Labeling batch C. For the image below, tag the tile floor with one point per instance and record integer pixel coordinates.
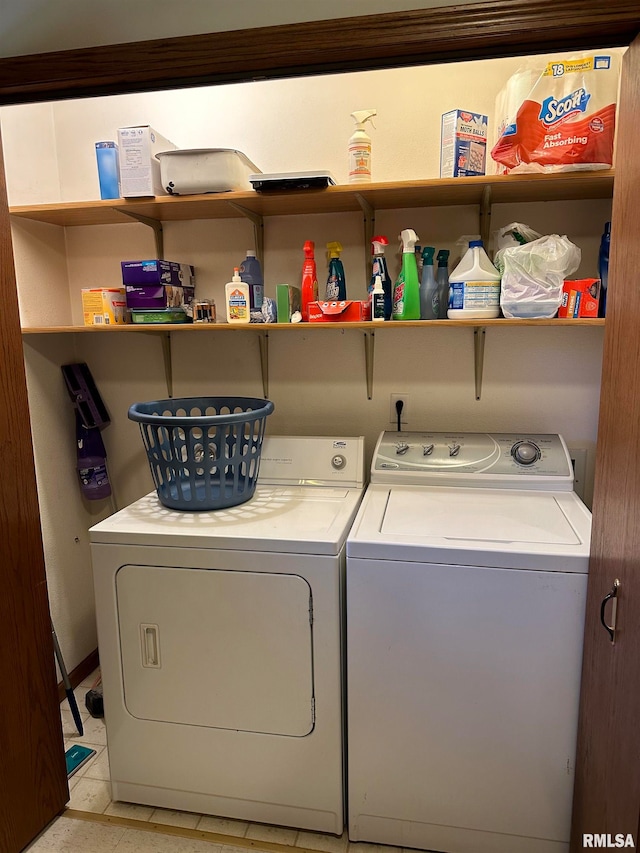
(90, 792)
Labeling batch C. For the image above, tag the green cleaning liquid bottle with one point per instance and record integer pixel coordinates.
(336, 282)
(429, 296)
(406, 295)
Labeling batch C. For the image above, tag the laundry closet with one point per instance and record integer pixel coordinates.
(323, 381)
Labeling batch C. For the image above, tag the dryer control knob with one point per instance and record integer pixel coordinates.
(525, 452)
(338, 462)
(454, 449)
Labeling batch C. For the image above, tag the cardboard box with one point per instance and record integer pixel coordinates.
(108, 169)
(155, 297)
(463, 144)
(288, 301)
(580, 298)
(139, 167)
(346, 311)
(158, 271)
(104, 306)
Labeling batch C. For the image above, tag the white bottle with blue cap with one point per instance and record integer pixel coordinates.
(474, 286)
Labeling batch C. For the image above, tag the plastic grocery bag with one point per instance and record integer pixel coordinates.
(515, 234)
(560, 117)
(533, 276)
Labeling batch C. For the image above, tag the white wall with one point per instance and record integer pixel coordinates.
(38, 26)
(535, 379)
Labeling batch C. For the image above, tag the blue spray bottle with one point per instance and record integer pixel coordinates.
(603, 268)
(379, 268)
(336, 282)
(442, 277)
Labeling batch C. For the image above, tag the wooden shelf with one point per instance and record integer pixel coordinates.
(292, 327)
(339, 199)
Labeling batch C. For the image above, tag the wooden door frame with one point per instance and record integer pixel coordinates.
(456, 33)
(460, 33)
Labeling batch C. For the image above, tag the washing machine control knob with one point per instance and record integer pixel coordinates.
(454, 449)
(427, 449)
(525, 452)
(401, 448)
(338, 462)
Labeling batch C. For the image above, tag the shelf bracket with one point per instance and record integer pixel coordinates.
(168, 362)
(478, 353)
(369, 343)
(263, 341)
(258, 228)
(485, 216)
(154, 224)
(369, 225)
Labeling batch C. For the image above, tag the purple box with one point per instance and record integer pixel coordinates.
(157, 271)
(158, 296)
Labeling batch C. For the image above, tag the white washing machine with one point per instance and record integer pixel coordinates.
(466, 585)
(221, 642)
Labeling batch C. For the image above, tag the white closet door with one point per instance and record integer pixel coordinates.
(221, 649)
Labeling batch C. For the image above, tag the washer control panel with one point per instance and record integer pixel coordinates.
(506, 460)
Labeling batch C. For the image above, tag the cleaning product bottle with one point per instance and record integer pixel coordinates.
(377, 297)
(91, 462)
(442, 277)
(251, 273)
(360, 148)
(237, 298)
(379, 267)
(336, 282)
(603, 268)
(429, 294)
(309, 286)
(406, 294)
(419, 262)
(474, 286)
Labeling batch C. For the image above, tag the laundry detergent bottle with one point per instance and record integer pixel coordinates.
(406, 293)
(309, 285)
(474, 286)
(251, 274)
(442, 277)
(379, 268)
(336, 282)
(429, 295)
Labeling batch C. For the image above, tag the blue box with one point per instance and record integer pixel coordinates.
(108, 169)
(463, 144)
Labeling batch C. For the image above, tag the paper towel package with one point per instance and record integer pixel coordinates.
(558, 118)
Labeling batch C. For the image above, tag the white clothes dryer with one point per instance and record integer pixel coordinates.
(466, 585)
(221, 642)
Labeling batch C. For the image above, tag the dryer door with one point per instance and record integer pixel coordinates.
(222, 649)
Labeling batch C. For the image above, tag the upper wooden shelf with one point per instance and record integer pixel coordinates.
(339, 199)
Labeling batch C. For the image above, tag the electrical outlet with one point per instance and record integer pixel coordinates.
(393, 413)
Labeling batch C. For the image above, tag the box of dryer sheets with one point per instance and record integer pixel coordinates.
(139, 166)
(104, 306)
(288, 301)
(580, 298)
(463, 144)
(157, 284)
(345, 311)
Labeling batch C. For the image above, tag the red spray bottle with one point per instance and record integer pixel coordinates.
(309, 286)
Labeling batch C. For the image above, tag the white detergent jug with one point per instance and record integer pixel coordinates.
(474, 286)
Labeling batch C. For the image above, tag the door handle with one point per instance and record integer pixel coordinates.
(611, 596)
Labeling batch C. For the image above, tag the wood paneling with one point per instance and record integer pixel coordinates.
(33, 779)
(607, 791)
(479, 31)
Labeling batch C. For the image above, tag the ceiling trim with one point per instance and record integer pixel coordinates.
(455, 33)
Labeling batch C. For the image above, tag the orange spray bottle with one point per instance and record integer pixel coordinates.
(309, 286)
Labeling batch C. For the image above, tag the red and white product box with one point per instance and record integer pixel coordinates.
(345, 311)
(580, 298)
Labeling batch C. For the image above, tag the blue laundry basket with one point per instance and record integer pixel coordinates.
(204, 452)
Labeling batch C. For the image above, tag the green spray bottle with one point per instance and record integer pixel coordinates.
(406, 294)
